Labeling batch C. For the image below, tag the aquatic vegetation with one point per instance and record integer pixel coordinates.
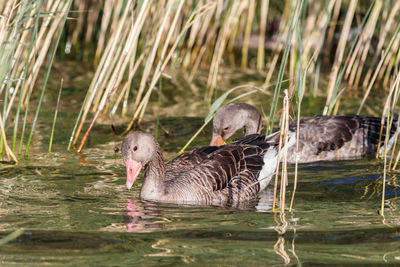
(301, 35)
(133, 45)
(167, 67)
(30, 31)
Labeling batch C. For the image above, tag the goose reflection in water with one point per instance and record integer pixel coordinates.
(136, 216)
(133, 216)
(138, 211)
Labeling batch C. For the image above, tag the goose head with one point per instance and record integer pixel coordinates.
(233, 117)
(138, 149)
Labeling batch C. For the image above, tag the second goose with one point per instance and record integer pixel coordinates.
(320, 137)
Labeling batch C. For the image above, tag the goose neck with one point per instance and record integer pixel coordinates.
(153, 186)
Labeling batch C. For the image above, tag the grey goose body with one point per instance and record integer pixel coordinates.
(320, 137)
(225, 175)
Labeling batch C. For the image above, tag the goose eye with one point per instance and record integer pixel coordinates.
(134, 148)
(226, 128)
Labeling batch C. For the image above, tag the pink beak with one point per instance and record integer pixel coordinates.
(216, 140)
(132, 171)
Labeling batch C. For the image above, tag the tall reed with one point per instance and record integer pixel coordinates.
(141, 38)
(295, 17)
(29, 32)
(55, 116)
(283, 141)
(64, 10)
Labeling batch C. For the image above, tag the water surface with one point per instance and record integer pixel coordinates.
(75, 209)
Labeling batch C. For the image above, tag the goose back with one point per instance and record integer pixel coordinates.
(222, 175)
(320, 137)
(338, 137)
(188, 160)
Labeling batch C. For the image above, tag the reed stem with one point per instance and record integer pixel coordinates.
(66, 11)
(55, 116)
(25, 73)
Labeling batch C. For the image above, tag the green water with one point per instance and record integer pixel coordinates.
(75, 209)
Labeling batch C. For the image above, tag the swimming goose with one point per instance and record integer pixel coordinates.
(233, 117)
(320, 137)
(211, 175)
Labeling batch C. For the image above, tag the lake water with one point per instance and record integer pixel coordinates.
(75, 210)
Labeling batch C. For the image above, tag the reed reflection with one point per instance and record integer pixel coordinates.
(282, 226)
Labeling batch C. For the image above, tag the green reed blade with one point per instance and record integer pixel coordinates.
(14, 235)
(339, 78)
(46, 79)
(270, 124)
(218, 102)
(33, 37)
(55, 116)
(15, 31)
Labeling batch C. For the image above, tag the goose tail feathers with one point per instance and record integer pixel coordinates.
(271, 157)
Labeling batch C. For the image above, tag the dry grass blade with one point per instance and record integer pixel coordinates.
(100, 74)
(8, 149)
(293, 22)
(12, 236)
(358, 58)
(42, 46)
(378, 68)
(340, 53)
(382, 37)
(151, 57)
(283, 141)
(237, 7)
(249, 22)
(105, 22)
(263, 29)
(388, 112)
(331, 31)
(285, 133)
(165, 59)
(313, 40)
(301, 87)
(129, 49)
(396, 89)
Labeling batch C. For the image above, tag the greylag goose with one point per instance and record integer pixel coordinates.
(211, 175)
(320, 137)
(233, 117)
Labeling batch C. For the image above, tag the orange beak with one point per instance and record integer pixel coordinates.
(217, 140)
(132, 171)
